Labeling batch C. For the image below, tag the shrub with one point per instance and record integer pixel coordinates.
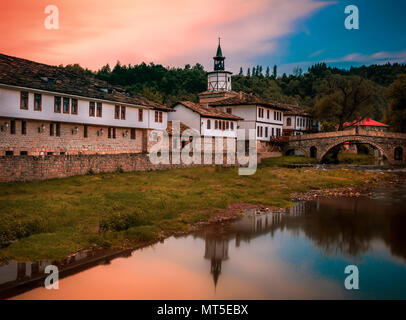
(142, 233)
(11, 230)
(120, 221)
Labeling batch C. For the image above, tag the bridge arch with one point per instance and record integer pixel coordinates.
(357, 139)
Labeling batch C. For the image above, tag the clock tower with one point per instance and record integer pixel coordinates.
(219, 79)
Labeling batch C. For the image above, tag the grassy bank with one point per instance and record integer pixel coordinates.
(50, 219)
(360, 159)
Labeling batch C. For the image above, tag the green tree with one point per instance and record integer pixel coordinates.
(241, 72)
(396, 113)
(346, 98)
(275, 71)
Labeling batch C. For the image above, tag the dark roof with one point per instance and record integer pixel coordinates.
(248, 99)
(25, 73)
(219, 52)
(207, 111)
(295, 110)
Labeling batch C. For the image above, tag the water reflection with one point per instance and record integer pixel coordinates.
(296, 253)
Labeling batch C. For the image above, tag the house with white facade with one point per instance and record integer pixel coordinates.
(266, 118)
(255, 113)
(49, 110)
(208, 121)
(297, 121)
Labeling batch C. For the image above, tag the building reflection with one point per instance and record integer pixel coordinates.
(216, 250)
(346, 227)
(14, 274)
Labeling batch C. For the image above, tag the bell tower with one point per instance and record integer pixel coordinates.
(219, 79)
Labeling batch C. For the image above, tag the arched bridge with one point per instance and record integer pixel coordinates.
(317, 145)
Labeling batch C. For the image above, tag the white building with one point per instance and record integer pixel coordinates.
(297, 121)
(48, 110)
(206, 120)
(263, 116)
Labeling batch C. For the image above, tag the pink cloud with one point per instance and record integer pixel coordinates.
(94, 32)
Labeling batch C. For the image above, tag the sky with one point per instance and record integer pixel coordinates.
(288, 33)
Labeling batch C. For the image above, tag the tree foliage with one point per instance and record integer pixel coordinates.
(333, 95)
(396, 113)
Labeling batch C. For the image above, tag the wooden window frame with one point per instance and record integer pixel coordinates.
(116, 112)
(123, 111)
(77, 106)
(114, 132)
(156, 116)
(63, 105)
(160, 115)
(60, 104)
(92, 109)
(216, 125)
(231, 125)
(21, 100)
(40, 101)
(99, 107)
(85, 131)
(208, 124)
(133, 135)
(140, 115)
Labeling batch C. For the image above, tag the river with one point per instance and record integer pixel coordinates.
(300, 253)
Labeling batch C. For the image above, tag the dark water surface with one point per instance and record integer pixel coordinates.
(297, 254)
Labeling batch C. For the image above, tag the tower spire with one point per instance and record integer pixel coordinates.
(219, 79)
(219, 51)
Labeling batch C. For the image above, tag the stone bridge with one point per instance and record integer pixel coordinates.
(317, 145)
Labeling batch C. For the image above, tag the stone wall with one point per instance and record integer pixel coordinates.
(28, 168)
(38, 140)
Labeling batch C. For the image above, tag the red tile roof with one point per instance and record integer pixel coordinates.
(365, 122)
(243, 98)
(29, 74)
(207, 111)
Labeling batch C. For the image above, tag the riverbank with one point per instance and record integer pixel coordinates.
(49, 220)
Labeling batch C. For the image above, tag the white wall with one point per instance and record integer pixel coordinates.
(185, 115)
(10, 107)
(218, 132)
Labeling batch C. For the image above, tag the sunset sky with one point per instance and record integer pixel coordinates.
(288, 33)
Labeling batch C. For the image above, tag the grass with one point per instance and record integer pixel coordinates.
(360, 159)
(47, 220)
(287, 160)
